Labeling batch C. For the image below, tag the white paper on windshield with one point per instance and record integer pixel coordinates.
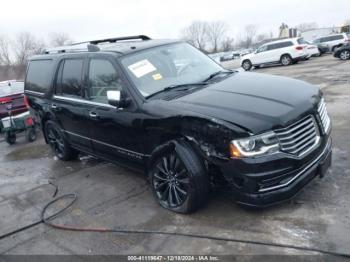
(142, 68)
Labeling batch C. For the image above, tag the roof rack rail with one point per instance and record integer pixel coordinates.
(74, 48)
(91, 46)
(117, 39)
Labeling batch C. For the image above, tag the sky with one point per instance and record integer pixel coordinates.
(86, 20)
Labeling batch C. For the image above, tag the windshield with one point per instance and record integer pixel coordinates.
(176, 64)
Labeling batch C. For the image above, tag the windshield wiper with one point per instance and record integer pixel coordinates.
(218, 73)
(180, 87)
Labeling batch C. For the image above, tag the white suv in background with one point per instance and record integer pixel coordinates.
(286, 52)
(333, 41)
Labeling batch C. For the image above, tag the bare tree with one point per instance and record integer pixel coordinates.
(262, 37)
(196, 34)
(307, 26)
(60, 39)
(26, 45)
(216, 32)
(5, 57)
(250, 34)
(227, 44)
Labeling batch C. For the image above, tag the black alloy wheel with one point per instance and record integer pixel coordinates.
(179, 179)
(171, 181)
(55, 141)
(58, 143)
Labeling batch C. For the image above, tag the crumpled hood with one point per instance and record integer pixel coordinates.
(254, 101)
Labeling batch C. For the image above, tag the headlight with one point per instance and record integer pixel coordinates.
(255, 145)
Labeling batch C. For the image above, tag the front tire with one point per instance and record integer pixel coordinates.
(344, 55)
(247, 65)
(179, 179)
(286, 60)
(58, 142)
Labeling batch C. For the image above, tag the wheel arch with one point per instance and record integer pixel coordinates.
(288, 54)
(174, 143)
(48, 116)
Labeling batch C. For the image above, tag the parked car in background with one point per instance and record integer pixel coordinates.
(311, 50)
(216, 57)
(333, 41)
(322, 48)
(286, 52)
(343, 52)
(227, 56)
(12, 95)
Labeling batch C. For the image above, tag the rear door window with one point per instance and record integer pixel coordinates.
(39, 75)
(337, 37)
(70, 78)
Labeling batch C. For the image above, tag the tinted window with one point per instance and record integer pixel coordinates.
(262, 49)
(281, 45)
(325, 39)
(71, 81)
(39, 75)
(337, 37)
(301, 41)
(331, 38)
(102, 78)
(271, 47)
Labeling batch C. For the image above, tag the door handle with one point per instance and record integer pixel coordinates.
(54, 106)
(93, 115)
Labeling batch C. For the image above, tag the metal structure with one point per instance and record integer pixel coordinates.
(92, 45)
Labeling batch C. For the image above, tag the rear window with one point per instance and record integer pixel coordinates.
(332, 38)
(39, 75)
(301, 41)
(281, 45)
(11, 88)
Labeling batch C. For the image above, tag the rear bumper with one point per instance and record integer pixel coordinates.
(300, 58)
(252, 193)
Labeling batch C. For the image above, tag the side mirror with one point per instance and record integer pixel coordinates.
(114, 99)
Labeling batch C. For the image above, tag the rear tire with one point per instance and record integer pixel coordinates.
(10, 138)
(58, 142)
(179, 179)
(31, 135)
(286, 60)
(344, 55)
(247, 65)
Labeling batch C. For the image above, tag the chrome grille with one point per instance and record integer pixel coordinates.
(325, 120)
(300, 137)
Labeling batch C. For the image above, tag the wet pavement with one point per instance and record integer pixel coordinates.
(114, 197)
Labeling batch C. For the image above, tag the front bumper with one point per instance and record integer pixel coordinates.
(277, 180)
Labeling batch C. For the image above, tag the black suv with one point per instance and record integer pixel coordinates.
(164, 107)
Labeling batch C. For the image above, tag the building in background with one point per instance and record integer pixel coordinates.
(286, 32)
